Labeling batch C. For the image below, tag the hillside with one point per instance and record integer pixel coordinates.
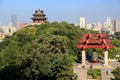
(39, 52)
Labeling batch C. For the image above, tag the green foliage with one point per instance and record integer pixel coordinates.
(44, 52)
(40, 52)
(50, 44)
(117, 34)
(116, 43)
(116, 50)
(116, 73)
(10, 72)
(5, 43)
(94, 73)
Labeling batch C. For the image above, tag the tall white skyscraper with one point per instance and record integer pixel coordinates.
(108, 20)
(108, 24)
(82, 22)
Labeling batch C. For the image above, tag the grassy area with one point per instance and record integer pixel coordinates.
(94, 74)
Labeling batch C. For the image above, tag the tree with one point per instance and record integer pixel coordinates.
(38, 52)
(49, 57)
(116, 73)
(117, 34)
(116, 49)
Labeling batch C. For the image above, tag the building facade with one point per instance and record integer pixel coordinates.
(14, 20)
(82, 22)
(108, 20)
(20, 25)
(39, 17)
(115, 25)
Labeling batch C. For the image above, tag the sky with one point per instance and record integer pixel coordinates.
(60, 10)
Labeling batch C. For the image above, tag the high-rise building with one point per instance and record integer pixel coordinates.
(105, 26)
(82, 22)
(108, 20)
(14, 20)
(108, 23)
(119, 27)
(115, 25)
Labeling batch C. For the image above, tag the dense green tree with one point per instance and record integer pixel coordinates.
(116, 73)
(38, 52)
(51, 44)
(116, 49)
(116, 43)
(10, 54)
(117, 34)
(48, 56)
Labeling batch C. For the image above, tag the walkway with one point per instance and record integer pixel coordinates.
(106, 76)
(82, 72)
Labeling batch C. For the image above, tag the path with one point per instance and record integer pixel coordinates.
(82, 73)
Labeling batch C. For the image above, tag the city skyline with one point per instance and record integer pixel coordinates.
(61, 10)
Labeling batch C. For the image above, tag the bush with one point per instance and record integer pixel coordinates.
(94, 73)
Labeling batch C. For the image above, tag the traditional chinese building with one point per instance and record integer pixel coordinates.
(39, 17)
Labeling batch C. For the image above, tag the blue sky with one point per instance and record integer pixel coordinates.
(60, 10)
